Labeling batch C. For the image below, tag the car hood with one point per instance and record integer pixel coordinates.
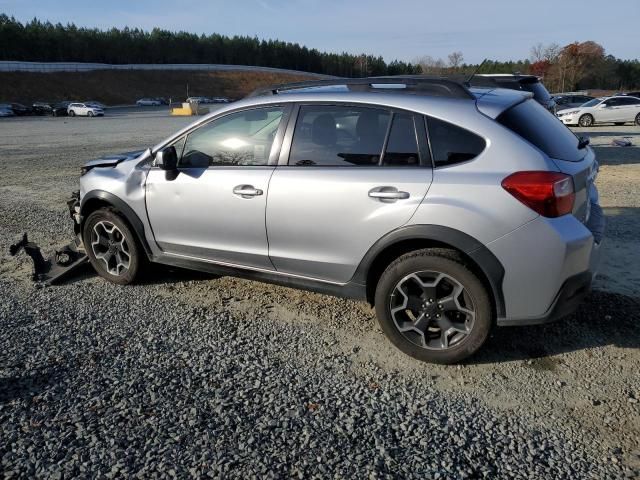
(112, 160)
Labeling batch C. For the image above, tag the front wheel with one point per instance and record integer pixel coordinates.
(72, 113)
(586, 120)
(638, 119)
(433, 307)
(90, 114)
(112, 247)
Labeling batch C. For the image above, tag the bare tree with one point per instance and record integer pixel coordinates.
(455, 59)
(537, 53)
(430, 65)
(551, 52)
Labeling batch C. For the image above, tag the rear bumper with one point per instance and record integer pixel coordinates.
(571, 295)
(549, 267)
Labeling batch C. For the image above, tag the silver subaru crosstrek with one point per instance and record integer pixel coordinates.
(448, 208)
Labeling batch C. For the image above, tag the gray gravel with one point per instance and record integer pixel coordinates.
(186, 375)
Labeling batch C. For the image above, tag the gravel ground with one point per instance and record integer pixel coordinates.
(190, 375)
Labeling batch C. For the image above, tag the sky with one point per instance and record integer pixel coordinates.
(395, 29)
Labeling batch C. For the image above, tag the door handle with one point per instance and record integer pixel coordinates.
(388, 194)
(247, 191)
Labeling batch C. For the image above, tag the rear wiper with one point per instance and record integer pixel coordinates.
(583, 142)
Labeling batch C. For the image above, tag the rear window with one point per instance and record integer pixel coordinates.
(541, 128)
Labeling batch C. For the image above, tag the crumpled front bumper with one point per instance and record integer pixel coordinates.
(63, 261)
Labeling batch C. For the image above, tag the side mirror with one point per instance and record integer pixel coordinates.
(603, 105)
(167, 158)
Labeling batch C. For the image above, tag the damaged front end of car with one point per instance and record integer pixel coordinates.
(63, 261)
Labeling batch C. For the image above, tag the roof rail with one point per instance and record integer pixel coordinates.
(434, 86)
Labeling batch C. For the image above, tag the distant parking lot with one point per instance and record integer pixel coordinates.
(196, 374)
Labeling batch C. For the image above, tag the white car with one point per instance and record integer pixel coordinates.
(197, 100)
(148, 102)
(84, 110)
(618, 110)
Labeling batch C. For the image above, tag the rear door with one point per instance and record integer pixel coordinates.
(347, 175)
(628, 108)
(608, 111)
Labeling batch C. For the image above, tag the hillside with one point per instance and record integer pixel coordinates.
(124, 87)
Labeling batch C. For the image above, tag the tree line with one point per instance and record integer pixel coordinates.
(46, 42)
(575, 66)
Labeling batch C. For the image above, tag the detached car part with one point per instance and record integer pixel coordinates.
(64, 261)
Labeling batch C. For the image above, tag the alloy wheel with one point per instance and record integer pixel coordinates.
(110, 247)
(432, 310)
(586, 121)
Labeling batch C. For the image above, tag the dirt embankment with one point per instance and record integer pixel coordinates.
(124, 87)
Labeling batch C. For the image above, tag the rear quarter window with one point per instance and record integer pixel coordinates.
(536, 125)
(451, 144)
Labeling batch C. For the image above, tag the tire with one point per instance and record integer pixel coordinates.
(638, 119)
(109, 259)
(454, 335)
(72, 113)
(586, 120)
(90, 114)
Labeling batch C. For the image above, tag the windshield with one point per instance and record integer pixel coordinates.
(536, 125)
(591, 103)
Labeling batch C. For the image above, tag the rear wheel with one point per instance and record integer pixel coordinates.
(112, 247)
(433, 307)
(72, 113)
(90, 114)
(586, 120)
(638, 119)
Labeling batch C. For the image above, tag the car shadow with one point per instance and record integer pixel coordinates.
(160, 274)
(27, 386)
(603, 319)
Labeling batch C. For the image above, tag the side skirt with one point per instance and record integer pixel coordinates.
(350, 290)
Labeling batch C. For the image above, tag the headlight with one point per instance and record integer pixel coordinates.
(572, 112)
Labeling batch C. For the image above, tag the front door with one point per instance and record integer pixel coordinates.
(213, 207)
(352, 175)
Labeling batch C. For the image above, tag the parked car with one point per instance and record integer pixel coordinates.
(60, 109)
(630, 94)
(84, 110)
(448, 209)
(197, 100)
(6, 111)
(20, 109)
(42, 108)
(93, 103)
(218, 100)
(148, 102)
(570, 101)
(527, 83)
(618, 110)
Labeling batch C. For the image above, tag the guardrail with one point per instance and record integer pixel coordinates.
(48, 67)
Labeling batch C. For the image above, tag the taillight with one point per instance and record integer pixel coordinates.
(551, 194)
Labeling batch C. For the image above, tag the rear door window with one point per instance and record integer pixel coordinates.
(402, 146)
(451, 144)
(338, 136)
(537, 126)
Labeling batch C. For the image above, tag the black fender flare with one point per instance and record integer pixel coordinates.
(486, 261)
(122, 207)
